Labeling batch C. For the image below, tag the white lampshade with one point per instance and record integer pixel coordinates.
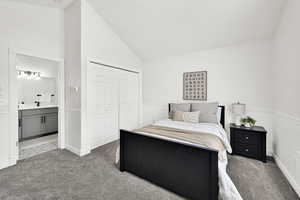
(238, 108)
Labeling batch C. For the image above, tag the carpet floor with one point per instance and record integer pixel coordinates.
(61, 175)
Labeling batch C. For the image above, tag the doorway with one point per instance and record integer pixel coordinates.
(37, 105)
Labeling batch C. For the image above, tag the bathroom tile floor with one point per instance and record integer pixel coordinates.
(30, 148)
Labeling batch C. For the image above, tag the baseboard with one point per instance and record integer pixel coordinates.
(7, 163)
(98, 143)
(77, 151)
(287, 174)
(4, 165)
(73, 149)
(84, 152)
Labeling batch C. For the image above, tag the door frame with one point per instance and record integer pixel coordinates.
(13, 102)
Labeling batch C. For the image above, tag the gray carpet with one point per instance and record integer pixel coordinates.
(61, 175)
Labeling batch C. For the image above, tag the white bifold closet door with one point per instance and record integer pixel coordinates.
(129, 100)
(112, 103)
(102, 104)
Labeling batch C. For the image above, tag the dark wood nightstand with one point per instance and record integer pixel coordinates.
(249, 142)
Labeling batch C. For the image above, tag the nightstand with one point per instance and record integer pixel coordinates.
(248, 142)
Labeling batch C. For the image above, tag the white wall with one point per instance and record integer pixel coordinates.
(87, 38)
(286, 93)
(240, 72)
(73, 76)
(4, 106)
(27, 29)
(104, 45)
(30, 29)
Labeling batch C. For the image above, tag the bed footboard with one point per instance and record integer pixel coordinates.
(187, 170)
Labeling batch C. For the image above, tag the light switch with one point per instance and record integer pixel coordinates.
(76, 88)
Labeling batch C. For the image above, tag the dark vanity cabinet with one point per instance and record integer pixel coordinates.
(37, 122)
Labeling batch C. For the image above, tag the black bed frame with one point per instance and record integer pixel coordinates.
(185, 169)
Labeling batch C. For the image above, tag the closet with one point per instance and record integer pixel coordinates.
(112, 102)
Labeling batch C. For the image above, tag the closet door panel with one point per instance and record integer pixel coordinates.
(129, 100)
(102, 104)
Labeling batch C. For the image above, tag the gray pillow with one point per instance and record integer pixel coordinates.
(208, 111)
(184, 107)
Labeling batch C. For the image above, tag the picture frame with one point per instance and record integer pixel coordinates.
(195, 85)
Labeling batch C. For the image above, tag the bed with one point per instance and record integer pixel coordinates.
(187, 169)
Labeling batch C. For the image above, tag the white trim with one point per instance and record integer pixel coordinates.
(61, 103)
(288, 176)
(73, 149)
(13, 103)
(288, 116)
(85, 147)
(77, 151)
(13, 108)
(108, 63)
(35, 54)
(5, 164)
(85, 151)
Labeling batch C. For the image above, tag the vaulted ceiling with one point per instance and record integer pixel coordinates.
(161, 28)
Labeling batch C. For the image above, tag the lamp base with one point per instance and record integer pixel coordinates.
(238, 120)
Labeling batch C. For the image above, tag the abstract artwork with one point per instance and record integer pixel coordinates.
(195, 85)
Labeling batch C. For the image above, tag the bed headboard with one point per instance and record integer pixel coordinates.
(222, 120)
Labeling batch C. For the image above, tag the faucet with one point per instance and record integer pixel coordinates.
(37, 103)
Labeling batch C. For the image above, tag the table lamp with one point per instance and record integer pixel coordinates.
(238, 110)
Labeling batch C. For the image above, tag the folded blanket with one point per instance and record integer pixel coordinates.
(204, 134)
(204, 139)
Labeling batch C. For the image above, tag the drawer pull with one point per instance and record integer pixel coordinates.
(246, 150)
(247, 138)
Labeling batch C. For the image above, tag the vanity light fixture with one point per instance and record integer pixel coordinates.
(28, 75)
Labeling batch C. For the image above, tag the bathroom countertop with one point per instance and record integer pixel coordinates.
(31, 107)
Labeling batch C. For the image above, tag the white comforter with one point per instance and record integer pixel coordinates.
(227, 189)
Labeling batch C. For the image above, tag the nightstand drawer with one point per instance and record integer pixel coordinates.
(247, 138)
(248, 142)
(247, 150)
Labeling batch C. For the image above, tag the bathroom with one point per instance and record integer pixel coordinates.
(37, 83)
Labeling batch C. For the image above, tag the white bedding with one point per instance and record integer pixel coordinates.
(227, 189)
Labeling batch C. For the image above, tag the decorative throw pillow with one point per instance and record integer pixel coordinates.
(208, 111)
(192, 117)
(184, 107)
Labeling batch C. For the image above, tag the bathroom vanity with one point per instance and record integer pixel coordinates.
(37, 121)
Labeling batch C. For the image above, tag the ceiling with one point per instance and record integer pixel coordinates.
(155, 29)
(162, 28)
(50, 3)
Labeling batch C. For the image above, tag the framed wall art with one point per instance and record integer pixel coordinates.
(195, 86)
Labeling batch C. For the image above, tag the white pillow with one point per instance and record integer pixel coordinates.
(192, 117)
